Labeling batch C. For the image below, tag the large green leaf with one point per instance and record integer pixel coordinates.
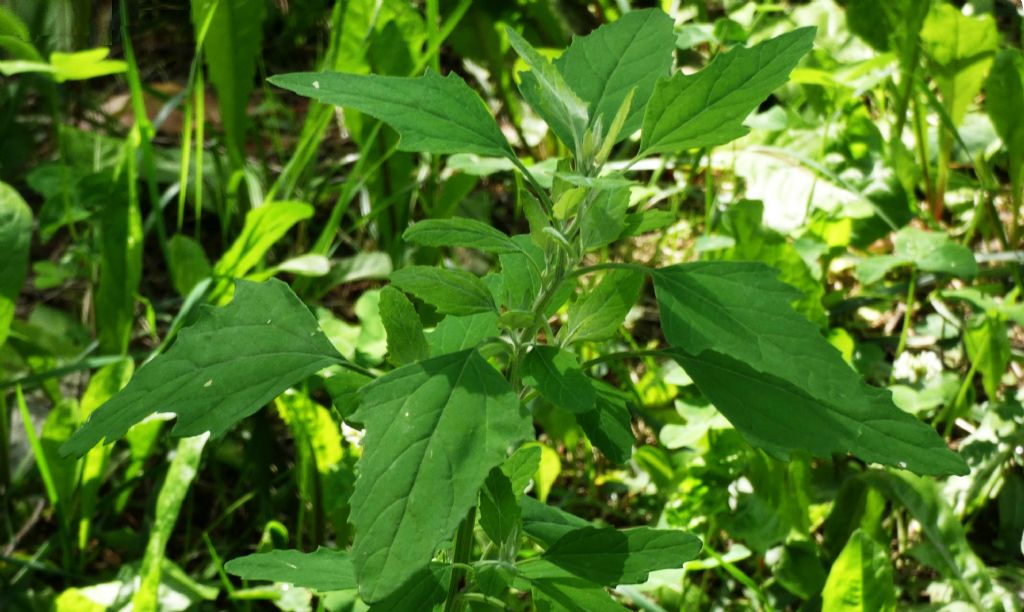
(773, 375)
(228, 365)
(861, 578)
(15, 235)
(323, 570)
(432, 114)
(454, 334)
(611, 556)
(434, 430)
(708, 108)
(462, 233)
(604, 66)
(232, 47)
(572, 595)
(454, 292)
(549, 95)
(556, 375)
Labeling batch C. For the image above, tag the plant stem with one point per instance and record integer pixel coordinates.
(907, 314)
(463, 552)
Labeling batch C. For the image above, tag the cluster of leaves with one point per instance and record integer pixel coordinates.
(773, 420)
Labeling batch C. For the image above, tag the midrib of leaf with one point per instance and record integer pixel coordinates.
(419, 466)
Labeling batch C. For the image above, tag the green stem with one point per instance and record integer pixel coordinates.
(463, 552)
(908, 314)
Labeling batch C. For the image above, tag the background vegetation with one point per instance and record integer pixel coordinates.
(146, 162)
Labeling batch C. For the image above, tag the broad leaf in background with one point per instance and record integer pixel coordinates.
(1004, 100)
(928, 251)
(434, 430)
(960, 49)
(708, 108)
(232, 47)
(556, 375)
(550, 96)
(264, 226)
(547, 524)
(860, 579)
(988, 348)
(433, 114)
(323, 570)
(604, 66)
(460, 233)
(766, 368)
(15, 236)
(610, 557)
(119, 239)
(454, 292)
(223, 368)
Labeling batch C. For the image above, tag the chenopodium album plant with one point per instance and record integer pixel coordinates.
(444, 430)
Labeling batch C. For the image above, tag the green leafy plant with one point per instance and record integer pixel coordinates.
(445, 430)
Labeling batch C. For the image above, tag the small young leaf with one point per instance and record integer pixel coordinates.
(499, 508)
(434, 430)
(861, 578)
(454, 334)
(227, 366)
(557, 376)
(988, 348)
(406, 342)
(708, 108)
(599, 313)
(15, 235)
(608, 425)
(610, 556)
(629, 54)
(454, 292)
(322, 571)
(521, 467)
(766, 367)
(605, 218)
(433, 114)
(548, 94)
(928, 251)
(460, 233)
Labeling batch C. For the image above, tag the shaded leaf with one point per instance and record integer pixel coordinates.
(499, 508)
(608, 425)
(406, 342)
(600, 312)
(556, 374)
(15, 236)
